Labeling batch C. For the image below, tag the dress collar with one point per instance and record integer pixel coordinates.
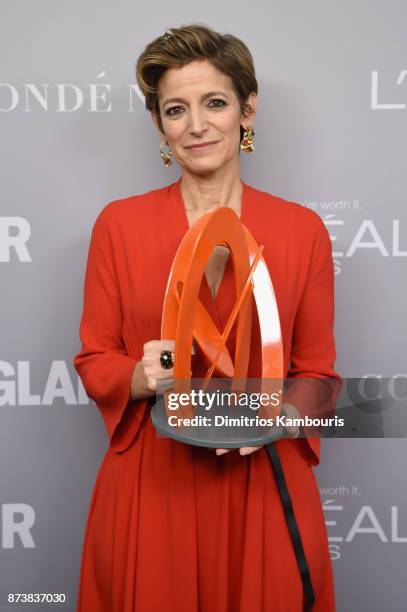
(226, 291)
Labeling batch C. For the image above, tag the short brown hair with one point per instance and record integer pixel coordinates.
(179, 46)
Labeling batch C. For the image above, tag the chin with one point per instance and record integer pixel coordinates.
(202, 171)
(205, 167)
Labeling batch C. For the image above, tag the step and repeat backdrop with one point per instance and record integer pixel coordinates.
(331, 134)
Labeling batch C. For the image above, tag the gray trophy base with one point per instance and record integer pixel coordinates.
(215, 437)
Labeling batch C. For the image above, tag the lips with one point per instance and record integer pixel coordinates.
(202, 145)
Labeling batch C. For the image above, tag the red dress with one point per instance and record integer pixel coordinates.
(173, 527)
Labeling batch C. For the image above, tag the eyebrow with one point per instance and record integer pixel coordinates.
(207, 95)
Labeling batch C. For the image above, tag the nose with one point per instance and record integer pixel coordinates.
(197, 122)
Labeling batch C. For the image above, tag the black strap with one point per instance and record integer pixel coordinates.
(293, 528)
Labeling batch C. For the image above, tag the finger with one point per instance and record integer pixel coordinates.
(165, 381)
(165, 375)
(248, 450)
(222, 451)
(167, 345)
(293, 431)
(164, 386)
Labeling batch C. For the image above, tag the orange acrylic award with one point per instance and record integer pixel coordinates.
(192, 411)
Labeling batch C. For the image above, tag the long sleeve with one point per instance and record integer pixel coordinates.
(103, 365)
(313, 345)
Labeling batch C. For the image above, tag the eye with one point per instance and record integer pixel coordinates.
(173, 110)
(216, 103)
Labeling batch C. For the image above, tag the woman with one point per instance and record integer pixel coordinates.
(171, 526)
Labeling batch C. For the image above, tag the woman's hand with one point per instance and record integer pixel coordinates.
(149, 375)
(156, 377)
(292, 432)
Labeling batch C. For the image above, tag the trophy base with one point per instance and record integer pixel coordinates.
(212, 436)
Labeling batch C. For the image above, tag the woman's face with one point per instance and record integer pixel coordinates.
(201, 117)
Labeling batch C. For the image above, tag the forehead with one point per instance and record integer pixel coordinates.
(194, 78)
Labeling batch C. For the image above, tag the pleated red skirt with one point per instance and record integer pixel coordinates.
(176, 528)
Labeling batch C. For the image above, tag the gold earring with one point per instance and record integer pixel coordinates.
(166, 155)
(247, 143)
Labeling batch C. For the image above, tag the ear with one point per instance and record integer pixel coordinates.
(155, 121)
(250, 109)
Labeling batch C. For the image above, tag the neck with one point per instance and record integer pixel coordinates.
(202, 193)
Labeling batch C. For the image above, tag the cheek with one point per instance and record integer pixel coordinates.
(231, 129)
(173, 131)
